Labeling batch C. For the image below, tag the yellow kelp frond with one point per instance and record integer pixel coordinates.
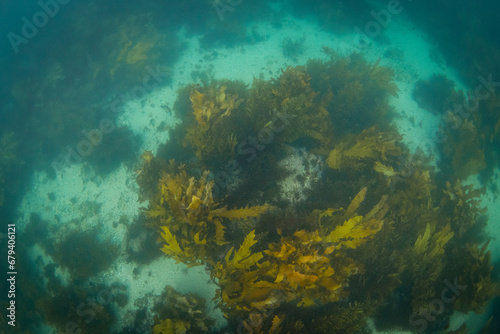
(343, 231)
(373, 144)
(192, 224)
(242, 213)
(147, 156)
(171, 247)
(347, 229)
(188, 199)
(281, 253)
(237, 275)
(149, 173)
(337, 216)
(360, 197)
(422, 241)
(169, 326)
(209, 132)
(334, 159)
(197, 104)
(192, 252)
(139, 51)
(243, 257)
(294, 278)
(440, 240)
(219, 233)
(298, 268)
(433, 246)
(364, 150)
(156, 211)
(217, 104)
(307, 237)
(379, 210)
(384, 170)
(186, 314)
(276, 326)
(427, 263)
(354, 232)
(303, 268)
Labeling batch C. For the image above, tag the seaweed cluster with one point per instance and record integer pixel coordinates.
(380, 227)
(469, 138)
(68, 92)
(181, 314)
(292, 48)
(472, 138)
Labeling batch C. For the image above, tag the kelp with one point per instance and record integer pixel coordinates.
(475, 275)
(346, 319)
(368, 149)
(470, 137)
(169, 326)
(307, 268)
(429, 248)
(290, 95)
(462, 204)
(413, 193)
(237, 279)
(192, 223)
(355, 229)
(296, 269)
(463, 147)
(382, 224)
(132, 46)
(207, 134)
(149, 172)
(258, 324)
(181, 313)
(357, 91)
(242, 213)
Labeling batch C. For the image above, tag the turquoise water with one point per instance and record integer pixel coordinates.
(249, 167)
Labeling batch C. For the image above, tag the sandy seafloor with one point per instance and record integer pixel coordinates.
(117, 193)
